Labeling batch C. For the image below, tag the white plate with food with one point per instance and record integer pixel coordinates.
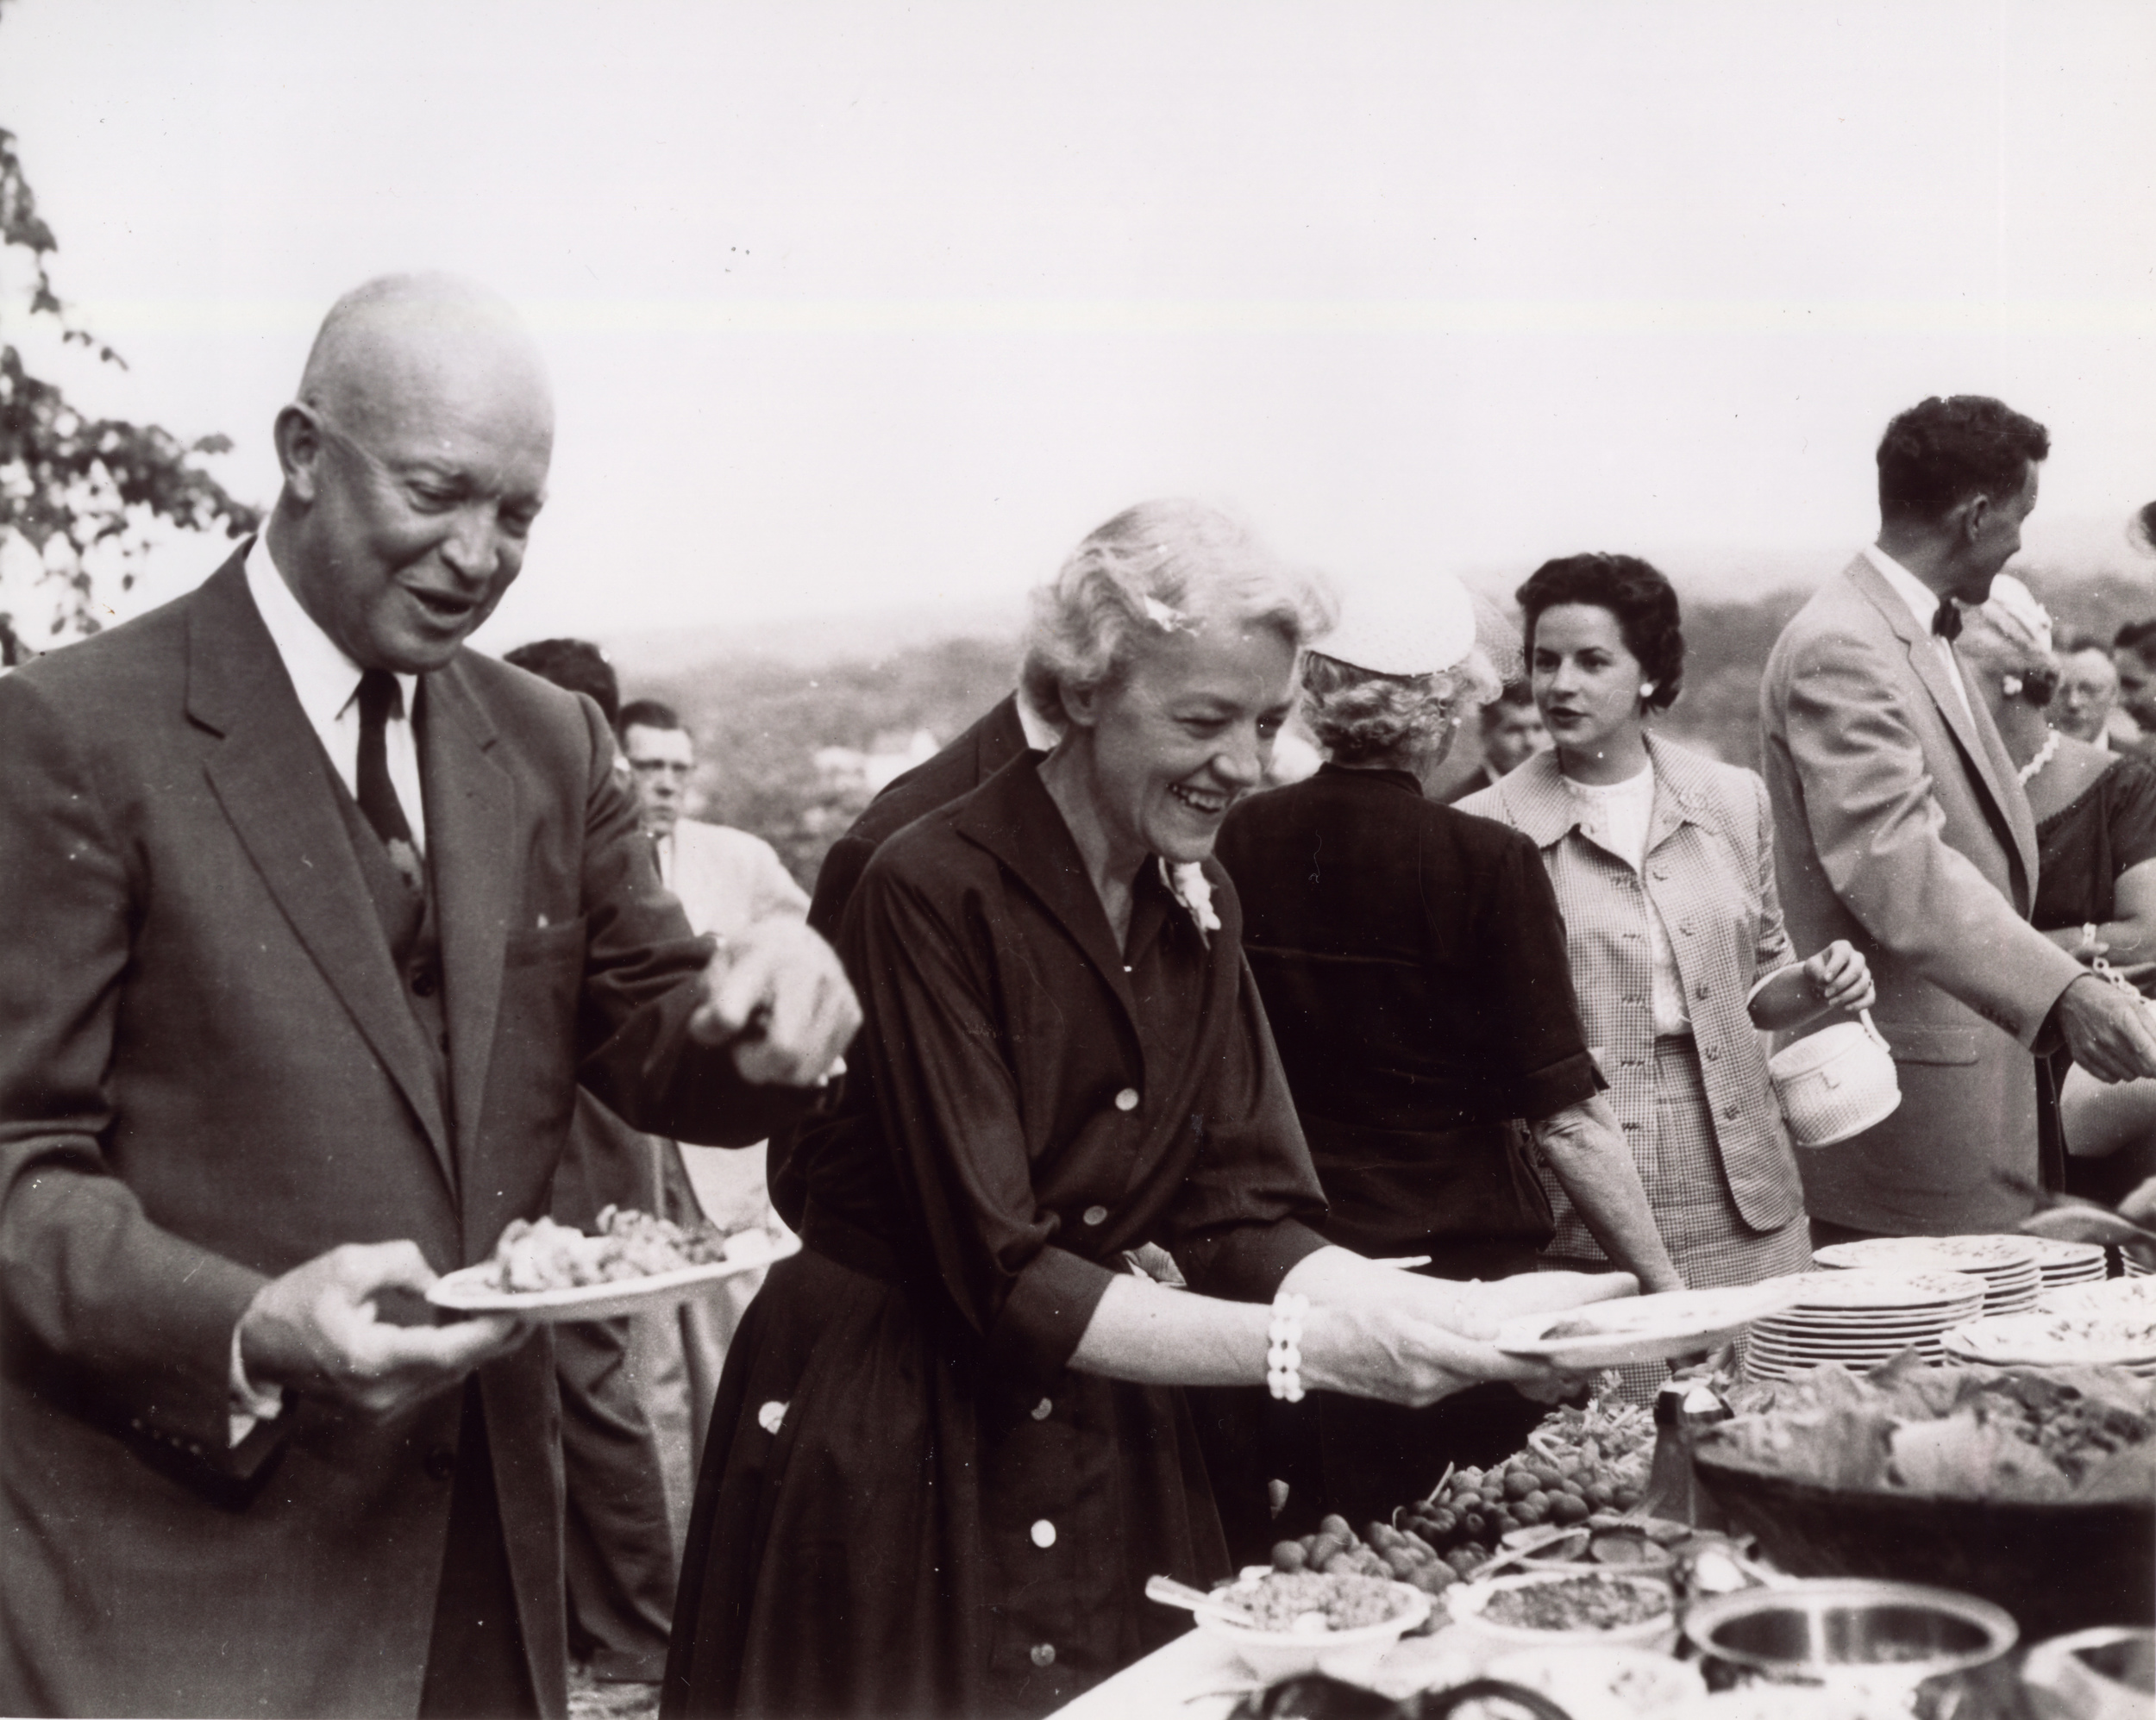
(634, 1264)
(1643, 1327)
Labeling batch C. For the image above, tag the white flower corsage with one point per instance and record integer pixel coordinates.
(1189, 885)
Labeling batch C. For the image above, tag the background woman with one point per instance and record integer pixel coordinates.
(2096, 877)
(1663, 862)
(945, 1455)
(1413, 967)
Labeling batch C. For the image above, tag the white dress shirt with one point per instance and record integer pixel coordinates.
(1923, 604)
(327, 684)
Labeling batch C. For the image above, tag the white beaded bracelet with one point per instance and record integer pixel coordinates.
(1283, 1347)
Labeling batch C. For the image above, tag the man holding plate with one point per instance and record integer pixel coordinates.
(316, 921)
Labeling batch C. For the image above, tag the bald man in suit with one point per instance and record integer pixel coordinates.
(317, 919)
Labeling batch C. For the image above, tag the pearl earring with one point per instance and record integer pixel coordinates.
(1646, 690)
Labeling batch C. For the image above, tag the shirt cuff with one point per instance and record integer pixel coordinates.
(1569, 1081)
(249, 1406)
(1047, 1312)
(1246, 1263)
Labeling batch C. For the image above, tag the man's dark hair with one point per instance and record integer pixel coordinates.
(574, 664)
(2074, 642)
(647, 713)
(2139, 637)
(1517, 694)
(1939, 452)
(1633, 590)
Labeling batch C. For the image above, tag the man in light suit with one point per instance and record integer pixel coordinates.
(1900, 825)
(315, 921)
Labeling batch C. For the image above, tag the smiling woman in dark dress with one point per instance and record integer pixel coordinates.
(947, 1451)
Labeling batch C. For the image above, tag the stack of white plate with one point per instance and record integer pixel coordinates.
(2120, 1335)
(2133, 1268)
(2006, 1264)
(2062, 1263)
(1861, 1318)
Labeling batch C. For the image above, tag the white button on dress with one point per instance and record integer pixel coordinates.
(1128, 1100)
(1043, 1535)
(1096, 1215)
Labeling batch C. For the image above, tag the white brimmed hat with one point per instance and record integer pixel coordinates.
(1421, 628)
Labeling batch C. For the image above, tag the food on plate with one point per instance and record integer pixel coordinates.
(1975, 1433)
(1583, 1603)
(545, 1256)
(1308, 1602)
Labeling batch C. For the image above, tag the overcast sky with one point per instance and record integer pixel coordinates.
(854, 305)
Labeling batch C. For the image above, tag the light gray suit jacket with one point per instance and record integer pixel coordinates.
(1899, 825)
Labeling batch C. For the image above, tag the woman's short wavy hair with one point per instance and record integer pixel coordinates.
(1360, 717)
(1153, 570)
(1637, 592)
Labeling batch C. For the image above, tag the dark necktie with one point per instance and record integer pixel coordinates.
(1946, 620)
(377, 794)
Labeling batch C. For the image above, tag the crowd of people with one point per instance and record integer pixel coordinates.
(1192, 1136)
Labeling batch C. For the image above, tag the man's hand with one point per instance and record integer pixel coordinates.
(777, 992)
(315, 1330)
(2109, 1029)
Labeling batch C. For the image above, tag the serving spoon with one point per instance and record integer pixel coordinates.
(1169, 1592)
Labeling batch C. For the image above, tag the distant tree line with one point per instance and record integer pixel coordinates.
(760, 724)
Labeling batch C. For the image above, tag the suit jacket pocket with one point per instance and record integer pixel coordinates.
(1914, 1042)
(544, 944)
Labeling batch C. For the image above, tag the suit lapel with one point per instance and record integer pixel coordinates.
(272, 780)
(1972, 729)
(471, 832)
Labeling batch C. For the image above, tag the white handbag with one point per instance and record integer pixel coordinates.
(1835, 1083)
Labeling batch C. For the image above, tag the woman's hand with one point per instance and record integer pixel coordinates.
(1387, 1352)
(1840, 978)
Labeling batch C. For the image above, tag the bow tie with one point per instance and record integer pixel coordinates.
(1946, 620)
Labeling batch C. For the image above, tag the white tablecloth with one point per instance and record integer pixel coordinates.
(1197, 1677)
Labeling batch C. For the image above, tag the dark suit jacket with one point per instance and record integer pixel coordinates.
(208, 1074)
(996, 739)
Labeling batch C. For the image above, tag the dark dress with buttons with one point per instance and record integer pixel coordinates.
(1412, 965)
(912, 1504)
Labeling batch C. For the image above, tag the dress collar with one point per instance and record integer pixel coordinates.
(1361, 775)
(1013, 816)
(1537, 803)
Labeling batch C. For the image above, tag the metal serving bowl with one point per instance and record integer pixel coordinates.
(1847, 1632)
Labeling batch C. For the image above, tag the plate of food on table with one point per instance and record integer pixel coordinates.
(634, 1262)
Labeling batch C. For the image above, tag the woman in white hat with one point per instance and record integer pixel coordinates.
(1663, 861)
(1413, 967)
(2095, 876)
